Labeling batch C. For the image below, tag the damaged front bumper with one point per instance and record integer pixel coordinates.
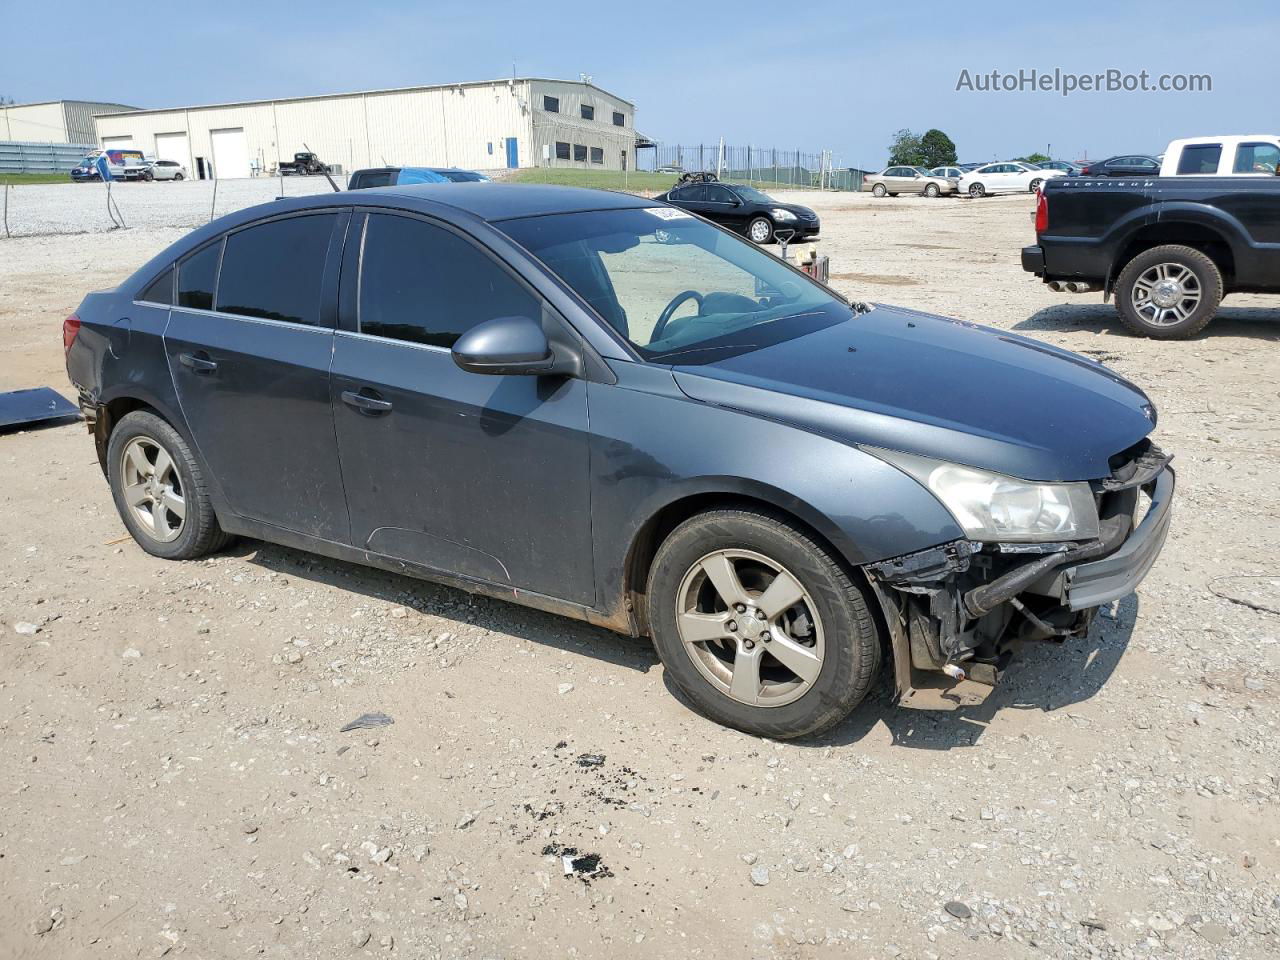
(963, 608)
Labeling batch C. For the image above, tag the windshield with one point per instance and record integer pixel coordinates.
(681, 290)
(754, 195)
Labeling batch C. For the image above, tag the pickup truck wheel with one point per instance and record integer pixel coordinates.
(880, 191)
(759, 626)
(1169, 292)
(977, 190)
(160, 490)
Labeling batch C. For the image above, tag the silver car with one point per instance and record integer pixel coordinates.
(165, 170)
(896, 180)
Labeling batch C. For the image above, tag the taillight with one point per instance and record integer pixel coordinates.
(1084, 171)
(1042, 212)
(70, 327)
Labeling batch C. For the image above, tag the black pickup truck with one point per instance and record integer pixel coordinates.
(302, 165)
(1168, 248)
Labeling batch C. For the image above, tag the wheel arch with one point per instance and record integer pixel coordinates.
(749, 495)
(1209, 238)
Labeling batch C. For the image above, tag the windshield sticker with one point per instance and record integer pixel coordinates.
(669, 213)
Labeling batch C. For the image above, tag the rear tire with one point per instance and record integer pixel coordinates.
(177, 176)
(160, 490)
(828, 634)
(880, 191)
(1169, 292)
(1035, 186)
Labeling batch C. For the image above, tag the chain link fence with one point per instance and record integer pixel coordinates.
(760, 166)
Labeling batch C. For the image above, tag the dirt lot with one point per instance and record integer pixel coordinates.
(176, 782)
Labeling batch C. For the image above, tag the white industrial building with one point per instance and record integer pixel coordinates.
(521, 122)
(55, 121)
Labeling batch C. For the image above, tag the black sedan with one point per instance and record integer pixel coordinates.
(744, 209)
(1130, 165)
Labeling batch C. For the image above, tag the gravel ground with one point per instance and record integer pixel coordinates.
(178, 782)
(54, 208)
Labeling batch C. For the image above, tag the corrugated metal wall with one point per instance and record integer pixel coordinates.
(41, 157)
(457, 126)
(78, 117)
(567, 126)
(34, 123)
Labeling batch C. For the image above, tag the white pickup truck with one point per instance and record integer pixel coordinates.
(1256, 155)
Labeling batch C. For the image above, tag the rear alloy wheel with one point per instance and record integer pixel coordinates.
(931, 191)
(1169, 292)
(880, 191)
(760, 230)
(1035, 186)
(977, 190)
(758, 626)
(159, 489)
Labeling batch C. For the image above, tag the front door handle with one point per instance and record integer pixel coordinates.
(200, 362)
(366, 402)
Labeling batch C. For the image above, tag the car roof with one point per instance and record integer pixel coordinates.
(506, 201)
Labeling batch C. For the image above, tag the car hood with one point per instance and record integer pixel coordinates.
(941, 388)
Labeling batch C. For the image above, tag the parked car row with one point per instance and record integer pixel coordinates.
(128, 165)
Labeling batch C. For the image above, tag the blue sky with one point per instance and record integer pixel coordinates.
(810, 76)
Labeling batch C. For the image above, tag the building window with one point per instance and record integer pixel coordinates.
(588, 112)
(579, 153)
(597, 154)
(619, 120)
(551, 104)
(562, 150)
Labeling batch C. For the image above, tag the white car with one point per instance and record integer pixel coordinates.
(1010, 177)
(165, 170)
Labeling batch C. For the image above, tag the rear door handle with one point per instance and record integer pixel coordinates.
(200, 362)
(365, 401)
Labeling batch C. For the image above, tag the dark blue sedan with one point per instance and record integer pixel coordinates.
(603, 406)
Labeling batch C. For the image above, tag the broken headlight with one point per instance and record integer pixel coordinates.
(993, 507)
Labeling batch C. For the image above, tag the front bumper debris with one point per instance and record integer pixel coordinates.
(964, 608)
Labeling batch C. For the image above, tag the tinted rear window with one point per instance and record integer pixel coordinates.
(159, 290)
(197, 277)
(274, 270)
(373, 178)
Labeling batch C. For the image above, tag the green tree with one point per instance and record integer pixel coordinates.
(1036, 158)
(906, 149)
(937, 149)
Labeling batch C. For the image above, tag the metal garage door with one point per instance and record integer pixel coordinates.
(230, 153)
(173, 146)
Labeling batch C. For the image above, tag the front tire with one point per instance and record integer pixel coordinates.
(931, 191)
(160, 490)
(1169, 292)
(1035, 186)
(759, 626)
(760, 230)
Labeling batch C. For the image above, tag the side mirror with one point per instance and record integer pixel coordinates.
(505, 345)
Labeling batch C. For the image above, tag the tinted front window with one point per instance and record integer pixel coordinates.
(722, 295)
(274, 270)
(159, 290)
(197, 277)
(719, 194)
(421, 283)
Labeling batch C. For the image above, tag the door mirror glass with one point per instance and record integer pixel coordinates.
(505, 345)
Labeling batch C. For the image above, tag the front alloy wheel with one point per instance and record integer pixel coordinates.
(759, 627)
(977, 190)
(760, 230)
(751, 629)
